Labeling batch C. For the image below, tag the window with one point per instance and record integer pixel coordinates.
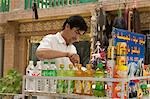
(4, 5)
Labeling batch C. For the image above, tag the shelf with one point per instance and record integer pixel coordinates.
(69, 95)
(63, 95)
(9, 94)
(90, 78)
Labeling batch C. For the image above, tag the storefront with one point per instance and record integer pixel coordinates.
(21, 33)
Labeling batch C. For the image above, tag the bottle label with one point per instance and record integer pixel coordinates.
(87, 87)
(78, 86)
(71, 86)
(66, 86)
(39, 85)
(60, 86)
(53, 84)
(47, 85)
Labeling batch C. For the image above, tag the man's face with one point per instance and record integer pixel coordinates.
(74, 34)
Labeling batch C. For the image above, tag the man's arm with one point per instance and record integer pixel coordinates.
(50, 54)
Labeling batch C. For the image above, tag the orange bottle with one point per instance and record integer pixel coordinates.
(78, 89)
(88, 84)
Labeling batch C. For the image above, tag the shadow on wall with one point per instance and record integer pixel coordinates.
(83, 49)
(32, 56)
(1, 56)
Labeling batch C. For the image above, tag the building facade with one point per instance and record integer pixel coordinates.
(19, 30)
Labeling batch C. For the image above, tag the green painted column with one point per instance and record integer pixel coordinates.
(38, 2)
(59, 2)
(62, 3)
(50, 3)
(46, 3)
(30, 4)
(3, 5)
(7, 5)
(42, 3)
(26, 4)
(54, 2)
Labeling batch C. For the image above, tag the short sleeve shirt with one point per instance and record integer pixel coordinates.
(57, 42)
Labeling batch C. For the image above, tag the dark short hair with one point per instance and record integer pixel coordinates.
(76, 21)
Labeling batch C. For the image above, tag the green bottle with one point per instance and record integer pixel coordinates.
(44, 69)
(144, 89)
(99, 89)
(70, 73)
(60, 83)
(100, 71)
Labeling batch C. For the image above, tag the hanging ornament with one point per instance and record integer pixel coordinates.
(119, 21)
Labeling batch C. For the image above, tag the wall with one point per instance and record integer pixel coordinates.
(1, 55)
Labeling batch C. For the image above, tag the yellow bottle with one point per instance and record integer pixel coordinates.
(122, 71)
(78, 89)
(88, 84)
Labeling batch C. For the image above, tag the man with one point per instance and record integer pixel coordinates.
(59, 47)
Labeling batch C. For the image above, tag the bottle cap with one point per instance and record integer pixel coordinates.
(131, 83)
(45, 62)
(122, 68)
(79, 65)
(70, 66)
(39, 62)
(143, 86)
(61, 65)
(30, 62)
(88, 66)
(100, 65)
(52, 62)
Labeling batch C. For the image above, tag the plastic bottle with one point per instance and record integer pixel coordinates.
(78, 83)
(53, 72)
(29, 81)
(132, 90)
(99, 87)
(45, 68)
(122, 71)
(53, 67)
(70, 73)
(38, 68)
(39, 82)
(60, 83)
(119, 72)
(88, 84)
(29, 68)
(100, 71)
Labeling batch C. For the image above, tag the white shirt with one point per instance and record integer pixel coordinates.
(57, 42)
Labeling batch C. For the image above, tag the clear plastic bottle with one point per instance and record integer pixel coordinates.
(39, 82)
(38, 69)
(30, 68)
(53, 72)
(45, 67)
(46, 72)
(29, 81)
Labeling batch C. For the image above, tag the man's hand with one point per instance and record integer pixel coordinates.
(74, 58)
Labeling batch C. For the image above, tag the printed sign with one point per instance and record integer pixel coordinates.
(135, 47)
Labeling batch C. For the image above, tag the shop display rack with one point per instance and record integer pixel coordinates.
(70, 95)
